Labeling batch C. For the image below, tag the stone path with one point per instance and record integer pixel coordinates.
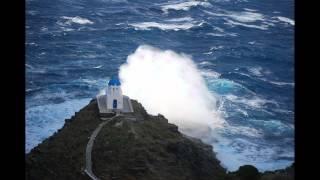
(88, 169)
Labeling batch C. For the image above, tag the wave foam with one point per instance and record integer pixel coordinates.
(98, 67)
(66, 29)
(77, 20)
(221, 34)
(210, 74)
(286, 20)
(255, 102)
(184, 5)
(240, 16)
(29, 66)
(251, 10)
(163, 81)
(246, 16)
(261, 27)
(204, 63)
(281, 83)
(274, 127)
(236, 130)
(257, 71)
(162, 26)
(180, 19)
(43, 121)
(238, 152)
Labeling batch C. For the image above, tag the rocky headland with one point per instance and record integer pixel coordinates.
(133, 146)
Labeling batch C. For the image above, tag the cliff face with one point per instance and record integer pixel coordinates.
(133, 146)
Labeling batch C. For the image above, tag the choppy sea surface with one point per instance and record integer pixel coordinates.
(243, 48)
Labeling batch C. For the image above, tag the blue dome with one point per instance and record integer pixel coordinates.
(114, 82)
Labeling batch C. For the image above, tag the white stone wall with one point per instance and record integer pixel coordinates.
(102, 103)
(114, 92)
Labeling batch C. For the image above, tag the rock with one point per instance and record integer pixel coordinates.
(173, 128)
(283, 174)
(248, 172)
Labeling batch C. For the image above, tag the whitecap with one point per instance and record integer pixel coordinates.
(243, 130)
(257, 71)
(274, 127)
(251, 10)
(246, 16)
(89, 81)
(98, 83)
(282, 83)
(254, 102)
(97, 67)
(77, 20)
(285, 111)
(205, 63)
(269, 23)
(225, 86)
(40, 71)
(180, 19)
(245, 113)
(286, 20)
(114, 1)
(216, 47)
(32, 43)
(29, 66)
(240, 16)
(185, 6)
(90, 56)
(279, 83)
(66, 29)
(216, 34)
(118, 24)
(213, 48)
(44, 29)
(162, 26)
(32, 12)
(208, 53)
(232, 23)
(218, 29)
(210, 74)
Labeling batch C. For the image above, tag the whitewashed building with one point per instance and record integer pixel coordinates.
(112, 100)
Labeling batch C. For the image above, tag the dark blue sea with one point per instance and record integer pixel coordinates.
(244, 50)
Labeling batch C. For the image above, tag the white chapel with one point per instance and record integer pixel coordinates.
(111, 100)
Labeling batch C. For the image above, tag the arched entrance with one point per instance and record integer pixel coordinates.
(114, 104)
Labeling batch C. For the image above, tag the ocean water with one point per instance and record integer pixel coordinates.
(244, 49)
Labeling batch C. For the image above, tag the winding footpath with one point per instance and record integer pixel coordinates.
(88, 169)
